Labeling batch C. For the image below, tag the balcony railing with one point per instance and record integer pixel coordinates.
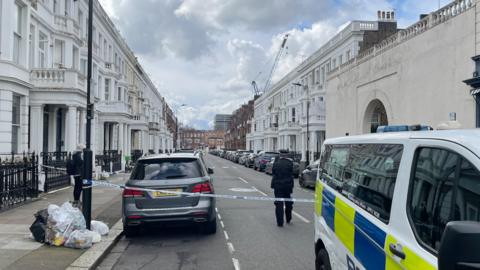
(57, 77)
(67, 25)
(153, 126)
(113, 107)
(139, 117)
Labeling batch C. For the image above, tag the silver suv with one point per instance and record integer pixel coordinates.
(182, 172)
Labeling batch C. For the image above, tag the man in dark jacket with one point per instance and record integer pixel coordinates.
(77, 172)
(282, 184)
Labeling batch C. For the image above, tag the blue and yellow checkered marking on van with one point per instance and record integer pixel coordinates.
(365, 240)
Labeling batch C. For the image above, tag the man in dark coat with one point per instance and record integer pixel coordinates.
(282, 184)
(76, 170)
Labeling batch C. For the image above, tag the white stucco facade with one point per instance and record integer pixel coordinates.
(280, 117)
(416, 76)
(43, 66)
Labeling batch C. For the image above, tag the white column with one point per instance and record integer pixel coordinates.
(121, 142)
(82, 125)
(129, 140)
(71, 129)
(36, 128)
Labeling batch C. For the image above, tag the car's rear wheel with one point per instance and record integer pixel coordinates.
(130, 231)
(322, 262)
(210, 227)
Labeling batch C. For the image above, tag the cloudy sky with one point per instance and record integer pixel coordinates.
(205, 53)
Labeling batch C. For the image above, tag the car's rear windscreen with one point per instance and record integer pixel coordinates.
(167, 169)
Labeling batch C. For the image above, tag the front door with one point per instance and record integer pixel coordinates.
(45, 129)
(59, 140)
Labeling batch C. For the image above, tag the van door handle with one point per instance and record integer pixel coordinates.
(397, 251)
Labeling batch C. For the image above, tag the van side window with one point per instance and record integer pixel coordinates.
(371, 175)
(467, 195)
(333, 163)
(445, 187)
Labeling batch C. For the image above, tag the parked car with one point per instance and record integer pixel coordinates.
(250, 160)
(182, 172)
(262, 159)
(243, 158)
(296, 167)
(269, 166)
(308, 177)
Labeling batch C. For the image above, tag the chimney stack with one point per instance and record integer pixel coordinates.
(386, 15)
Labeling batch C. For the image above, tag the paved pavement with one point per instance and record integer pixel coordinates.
(19, 251)
(247, 236)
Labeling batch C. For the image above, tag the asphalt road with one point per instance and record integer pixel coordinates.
(247, 235)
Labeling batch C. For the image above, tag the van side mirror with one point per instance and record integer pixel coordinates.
(460, 246)
(209, 170)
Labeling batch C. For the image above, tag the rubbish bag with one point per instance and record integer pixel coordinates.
(79, 239)
(100, 227)
(62, 221)
(39, 226)
(96, 237)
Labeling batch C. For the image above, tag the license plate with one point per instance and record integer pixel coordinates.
(157, 194)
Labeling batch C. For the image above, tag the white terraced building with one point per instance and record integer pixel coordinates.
(280, 115)
(43, 56)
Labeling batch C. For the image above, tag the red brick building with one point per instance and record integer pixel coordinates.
(236, 135)
(191, 138)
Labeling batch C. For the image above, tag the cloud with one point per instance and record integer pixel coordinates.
(152, 28)
(205, 53)
(254, 15)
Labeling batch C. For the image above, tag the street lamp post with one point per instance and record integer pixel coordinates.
(87, 152)
(305, 87)
(176, 108)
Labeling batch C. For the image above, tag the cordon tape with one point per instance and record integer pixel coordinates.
(92, 183)
(190, 194)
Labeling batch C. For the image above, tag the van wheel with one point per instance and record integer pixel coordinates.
(210, 227)
(322, 262)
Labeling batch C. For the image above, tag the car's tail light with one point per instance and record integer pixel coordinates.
(202, 188)
(129, 193)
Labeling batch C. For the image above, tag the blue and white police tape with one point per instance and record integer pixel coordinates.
(55, 168)
(191, 194)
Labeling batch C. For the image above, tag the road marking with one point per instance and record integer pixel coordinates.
(226, 235)
(259, 191)
(245, 181)
(224, 167)
(234, 167)
(236, 264)
(216, 209)
(219, 217)
(301, 217)
(221, 223)
(230, 247)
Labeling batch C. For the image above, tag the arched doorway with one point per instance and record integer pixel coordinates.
(375, 116)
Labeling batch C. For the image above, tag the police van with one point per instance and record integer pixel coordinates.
(384, 201)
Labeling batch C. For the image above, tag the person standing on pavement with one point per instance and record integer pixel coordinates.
(75, 169)
(282, 185)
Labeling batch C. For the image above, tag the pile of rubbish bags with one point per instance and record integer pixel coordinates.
(65, 226)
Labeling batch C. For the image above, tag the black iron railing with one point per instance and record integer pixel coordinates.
(55, 170)
(18, 179)
(109, 157)
(136, 154)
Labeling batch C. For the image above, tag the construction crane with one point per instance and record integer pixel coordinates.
(274, 67)
(256, 92)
